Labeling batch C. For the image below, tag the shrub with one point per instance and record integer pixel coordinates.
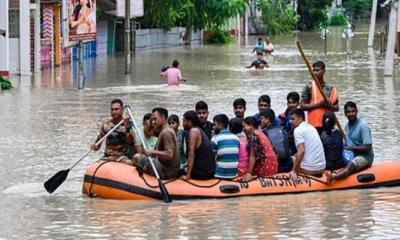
(338, 19)
(219, 36)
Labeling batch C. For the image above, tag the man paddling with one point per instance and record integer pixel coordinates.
(121, 143)
(359, 141)
(312, 99)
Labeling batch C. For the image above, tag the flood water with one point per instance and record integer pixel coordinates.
(46, 124)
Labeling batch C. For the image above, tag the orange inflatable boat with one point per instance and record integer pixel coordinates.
(114, 180)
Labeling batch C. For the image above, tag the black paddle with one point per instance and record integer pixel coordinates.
(55, 181)
(164, 192)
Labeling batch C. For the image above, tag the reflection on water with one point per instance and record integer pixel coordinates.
(46, 124)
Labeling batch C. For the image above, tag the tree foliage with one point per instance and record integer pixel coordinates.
(355, 8)
(312, 13)
(338, 19)
(194, 14)
(278, 16)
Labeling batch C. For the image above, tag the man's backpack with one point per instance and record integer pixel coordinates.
(278, 137)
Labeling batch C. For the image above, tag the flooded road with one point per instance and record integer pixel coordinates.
(46, 124)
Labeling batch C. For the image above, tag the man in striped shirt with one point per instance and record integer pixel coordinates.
(226, 148)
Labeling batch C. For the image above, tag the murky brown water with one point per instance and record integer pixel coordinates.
(46, 124)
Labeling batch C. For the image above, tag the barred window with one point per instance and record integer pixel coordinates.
(13, 24)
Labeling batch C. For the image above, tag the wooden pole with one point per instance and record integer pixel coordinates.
(372, 24)
(57, 34)
(389, 57)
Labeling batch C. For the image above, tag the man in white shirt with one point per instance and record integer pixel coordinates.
(310, 157)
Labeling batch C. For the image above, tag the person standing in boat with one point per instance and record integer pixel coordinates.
(310, 157)
(359, 141)
(166, 152)
(173, 74)
(259, 63)
(239, 107)
(123, 141)
(201, 159)
(202, 113)
(262, 158)
(226, 148)
(312, 99)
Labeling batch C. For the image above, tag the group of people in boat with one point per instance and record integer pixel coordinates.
(245, 146)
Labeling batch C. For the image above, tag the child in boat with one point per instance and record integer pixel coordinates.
(236, 127)
(173, 122)
(173, 74)
(226, 148)
(262, 158)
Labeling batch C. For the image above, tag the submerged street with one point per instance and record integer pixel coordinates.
(47, 124)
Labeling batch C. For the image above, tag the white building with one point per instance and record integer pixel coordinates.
(20, 48)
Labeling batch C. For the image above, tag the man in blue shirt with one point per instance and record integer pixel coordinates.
(264, 103)
(359, 141)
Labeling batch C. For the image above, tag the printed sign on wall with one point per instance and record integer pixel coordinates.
(82, 20)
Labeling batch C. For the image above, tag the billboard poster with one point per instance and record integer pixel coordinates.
(82, 20)
(136, 8)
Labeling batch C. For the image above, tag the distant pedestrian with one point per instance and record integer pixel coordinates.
(172, 74)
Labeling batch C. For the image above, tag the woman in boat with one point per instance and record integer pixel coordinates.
(262, 158)
(236, 127)
(331, 139)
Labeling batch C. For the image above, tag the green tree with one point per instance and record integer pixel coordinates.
(312, 13)
(355, 8)
(278, 16)
(194, 14)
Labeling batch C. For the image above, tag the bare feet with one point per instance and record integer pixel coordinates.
(329, 178)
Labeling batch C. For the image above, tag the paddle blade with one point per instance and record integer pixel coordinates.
(164, 193)
(55, 181)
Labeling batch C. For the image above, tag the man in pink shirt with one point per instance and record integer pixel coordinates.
(173, 74)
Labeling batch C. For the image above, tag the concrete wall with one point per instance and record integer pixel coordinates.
(101, 37)
(158, 38)
(14, 55)
(4, 43)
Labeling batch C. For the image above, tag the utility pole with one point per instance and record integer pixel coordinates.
(127, 36)
(372, 24)
(389, 56)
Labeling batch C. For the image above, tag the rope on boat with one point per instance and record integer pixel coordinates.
(94, 175)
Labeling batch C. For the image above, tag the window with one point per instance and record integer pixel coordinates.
(13, 23)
